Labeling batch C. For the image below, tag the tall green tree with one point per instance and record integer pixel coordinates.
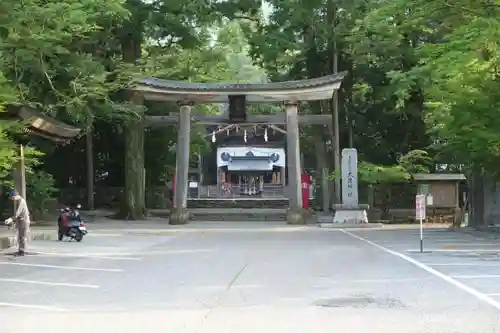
(172, 25)
(304, 40)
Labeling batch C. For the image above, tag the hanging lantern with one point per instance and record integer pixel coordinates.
(245, 136)
(265, 135)
(213, 136)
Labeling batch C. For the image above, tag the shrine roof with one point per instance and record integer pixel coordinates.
(301, 90)
(41, 125)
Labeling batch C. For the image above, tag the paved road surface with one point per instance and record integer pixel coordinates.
(260, 278)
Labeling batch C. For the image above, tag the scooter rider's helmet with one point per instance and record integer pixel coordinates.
(67, 209)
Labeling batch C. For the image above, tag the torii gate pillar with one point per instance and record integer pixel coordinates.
(180, 214)
(295, 214)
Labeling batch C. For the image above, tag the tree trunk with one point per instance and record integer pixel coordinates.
(476, 198)
(89, 152)
(322, 196)
(134, 205)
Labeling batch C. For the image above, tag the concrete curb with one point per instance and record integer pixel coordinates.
(8, 241)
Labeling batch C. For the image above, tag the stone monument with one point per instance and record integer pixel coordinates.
(350, 211)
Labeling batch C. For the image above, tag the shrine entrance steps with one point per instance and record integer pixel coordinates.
(238, 214)
(238, 203)
(240, 209)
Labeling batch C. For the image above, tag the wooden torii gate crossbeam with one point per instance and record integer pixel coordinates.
(276, 119)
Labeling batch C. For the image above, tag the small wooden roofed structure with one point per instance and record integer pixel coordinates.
(444, 187)
(36, 123)
(39, 124)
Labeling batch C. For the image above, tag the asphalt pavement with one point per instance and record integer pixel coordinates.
(254, 278)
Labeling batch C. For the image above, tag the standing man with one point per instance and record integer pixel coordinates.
(22, 220)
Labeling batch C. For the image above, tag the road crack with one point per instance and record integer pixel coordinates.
(221, 294)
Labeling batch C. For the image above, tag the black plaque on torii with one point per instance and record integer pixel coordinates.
(237, 108)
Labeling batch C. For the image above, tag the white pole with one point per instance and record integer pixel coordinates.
(421, 234)
(420, 205)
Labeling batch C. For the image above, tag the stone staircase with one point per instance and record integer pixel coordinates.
(238, 203)
(239, 210)
(238, 214)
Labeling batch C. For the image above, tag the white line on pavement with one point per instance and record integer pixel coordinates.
(484, 276)
(464, 264)
(55, 284)
(468, 244)
(104, 235)
(62, 267)
(455, 250)
(380, 280)
(430, 239)
(443, 244)
(84, 255)
(149, 252)
(449, 279)
(447, 237)
(32, 306)
(436, 233)
(439, 242)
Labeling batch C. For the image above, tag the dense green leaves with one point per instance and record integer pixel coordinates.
(423, 74)
(454, 62)
(50, 53)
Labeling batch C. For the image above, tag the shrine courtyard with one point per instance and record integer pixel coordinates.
(258, 277)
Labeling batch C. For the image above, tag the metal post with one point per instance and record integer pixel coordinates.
(420, 210)
(293, 152)
(19, 176)
(22, 172)
(421, 235)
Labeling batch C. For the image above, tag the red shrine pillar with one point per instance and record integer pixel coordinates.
(306, 181)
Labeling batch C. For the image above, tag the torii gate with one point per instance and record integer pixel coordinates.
(187, 94)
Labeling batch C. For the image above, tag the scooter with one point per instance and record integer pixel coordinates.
(70, 225)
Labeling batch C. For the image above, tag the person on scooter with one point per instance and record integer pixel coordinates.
(63, 220)
(22, 221)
